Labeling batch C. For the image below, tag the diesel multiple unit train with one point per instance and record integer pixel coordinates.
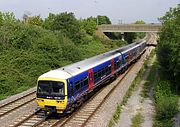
(63, 89)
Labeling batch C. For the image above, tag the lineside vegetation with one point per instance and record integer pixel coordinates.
(33, 46)
(168, 87)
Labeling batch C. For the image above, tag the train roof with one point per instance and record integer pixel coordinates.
(81, 66)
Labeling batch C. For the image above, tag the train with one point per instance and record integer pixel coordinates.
(63, 90)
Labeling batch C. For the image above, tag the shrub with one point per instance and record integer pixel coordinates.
(166, 107)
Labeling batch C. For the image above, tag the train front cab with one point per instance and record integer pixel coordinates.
(52, 94)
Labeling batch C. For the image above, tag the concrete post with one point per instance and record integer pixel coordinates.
(122, 36)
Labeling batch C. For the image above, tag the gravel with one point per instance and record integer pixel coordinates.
(12, 117)
(14, 97)
(135, 105)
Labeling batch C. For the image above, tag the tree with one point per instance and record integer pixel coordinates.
(140, 34)
(67, 23)
(35, 20)
(1, 18)
(140, 22)
(168, 50)
(48, 22)
(103, 20)
(129, 37)
(89, 25)
(9, 17)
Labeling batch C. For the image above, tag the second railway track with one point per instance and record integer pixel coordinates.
(16, 103)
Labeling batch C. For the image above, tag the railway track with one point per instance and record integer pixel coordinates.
(32, 120)
(11, 106)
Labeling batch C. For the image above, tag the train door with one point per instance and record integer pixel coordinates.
(112, 66)
(91, 79)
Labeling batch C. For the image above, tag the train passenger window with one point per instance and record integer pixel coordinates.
(85, 81)
(103, 71)
(99, 73)
(117, 65)
(126, 59)
(77, 85)
(95, 75)
(82, 83)
(106, 69)
(109, 69)
(120, 62)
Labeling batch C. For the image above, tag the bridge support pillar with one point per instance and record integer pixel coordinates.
(122, 36)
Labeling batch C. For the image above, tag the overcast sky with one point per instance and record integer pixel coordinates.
(126, 10)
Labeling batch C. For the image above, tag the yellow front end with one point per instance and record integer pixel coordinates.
(60, 105)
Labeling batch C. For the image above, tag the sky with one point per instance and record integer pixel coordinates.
(119, 11)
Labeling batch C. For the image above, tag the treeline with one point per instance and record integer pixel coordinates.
(168, 53)
(168, 50)
(33, 46)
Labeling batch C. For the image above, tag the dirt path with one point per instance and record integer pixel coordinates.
(136, 104)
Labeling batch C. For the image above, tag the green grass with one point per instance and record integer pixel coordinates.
(149, 82)
(137, 120)
(150, 79)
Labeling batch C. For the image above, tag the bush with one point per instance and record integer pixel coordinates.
(166, 107)
(166, 103)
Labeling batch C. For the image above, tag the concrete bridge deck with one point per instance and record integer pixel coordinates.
(130, 28)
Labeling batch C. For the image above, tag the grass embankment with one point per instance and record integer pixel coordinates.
(27, 51)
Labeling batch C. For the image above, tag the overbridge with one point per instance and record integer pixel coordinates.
(130, 28)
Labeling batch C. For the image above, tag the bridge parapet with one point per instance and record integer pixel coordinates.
(130, 28)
